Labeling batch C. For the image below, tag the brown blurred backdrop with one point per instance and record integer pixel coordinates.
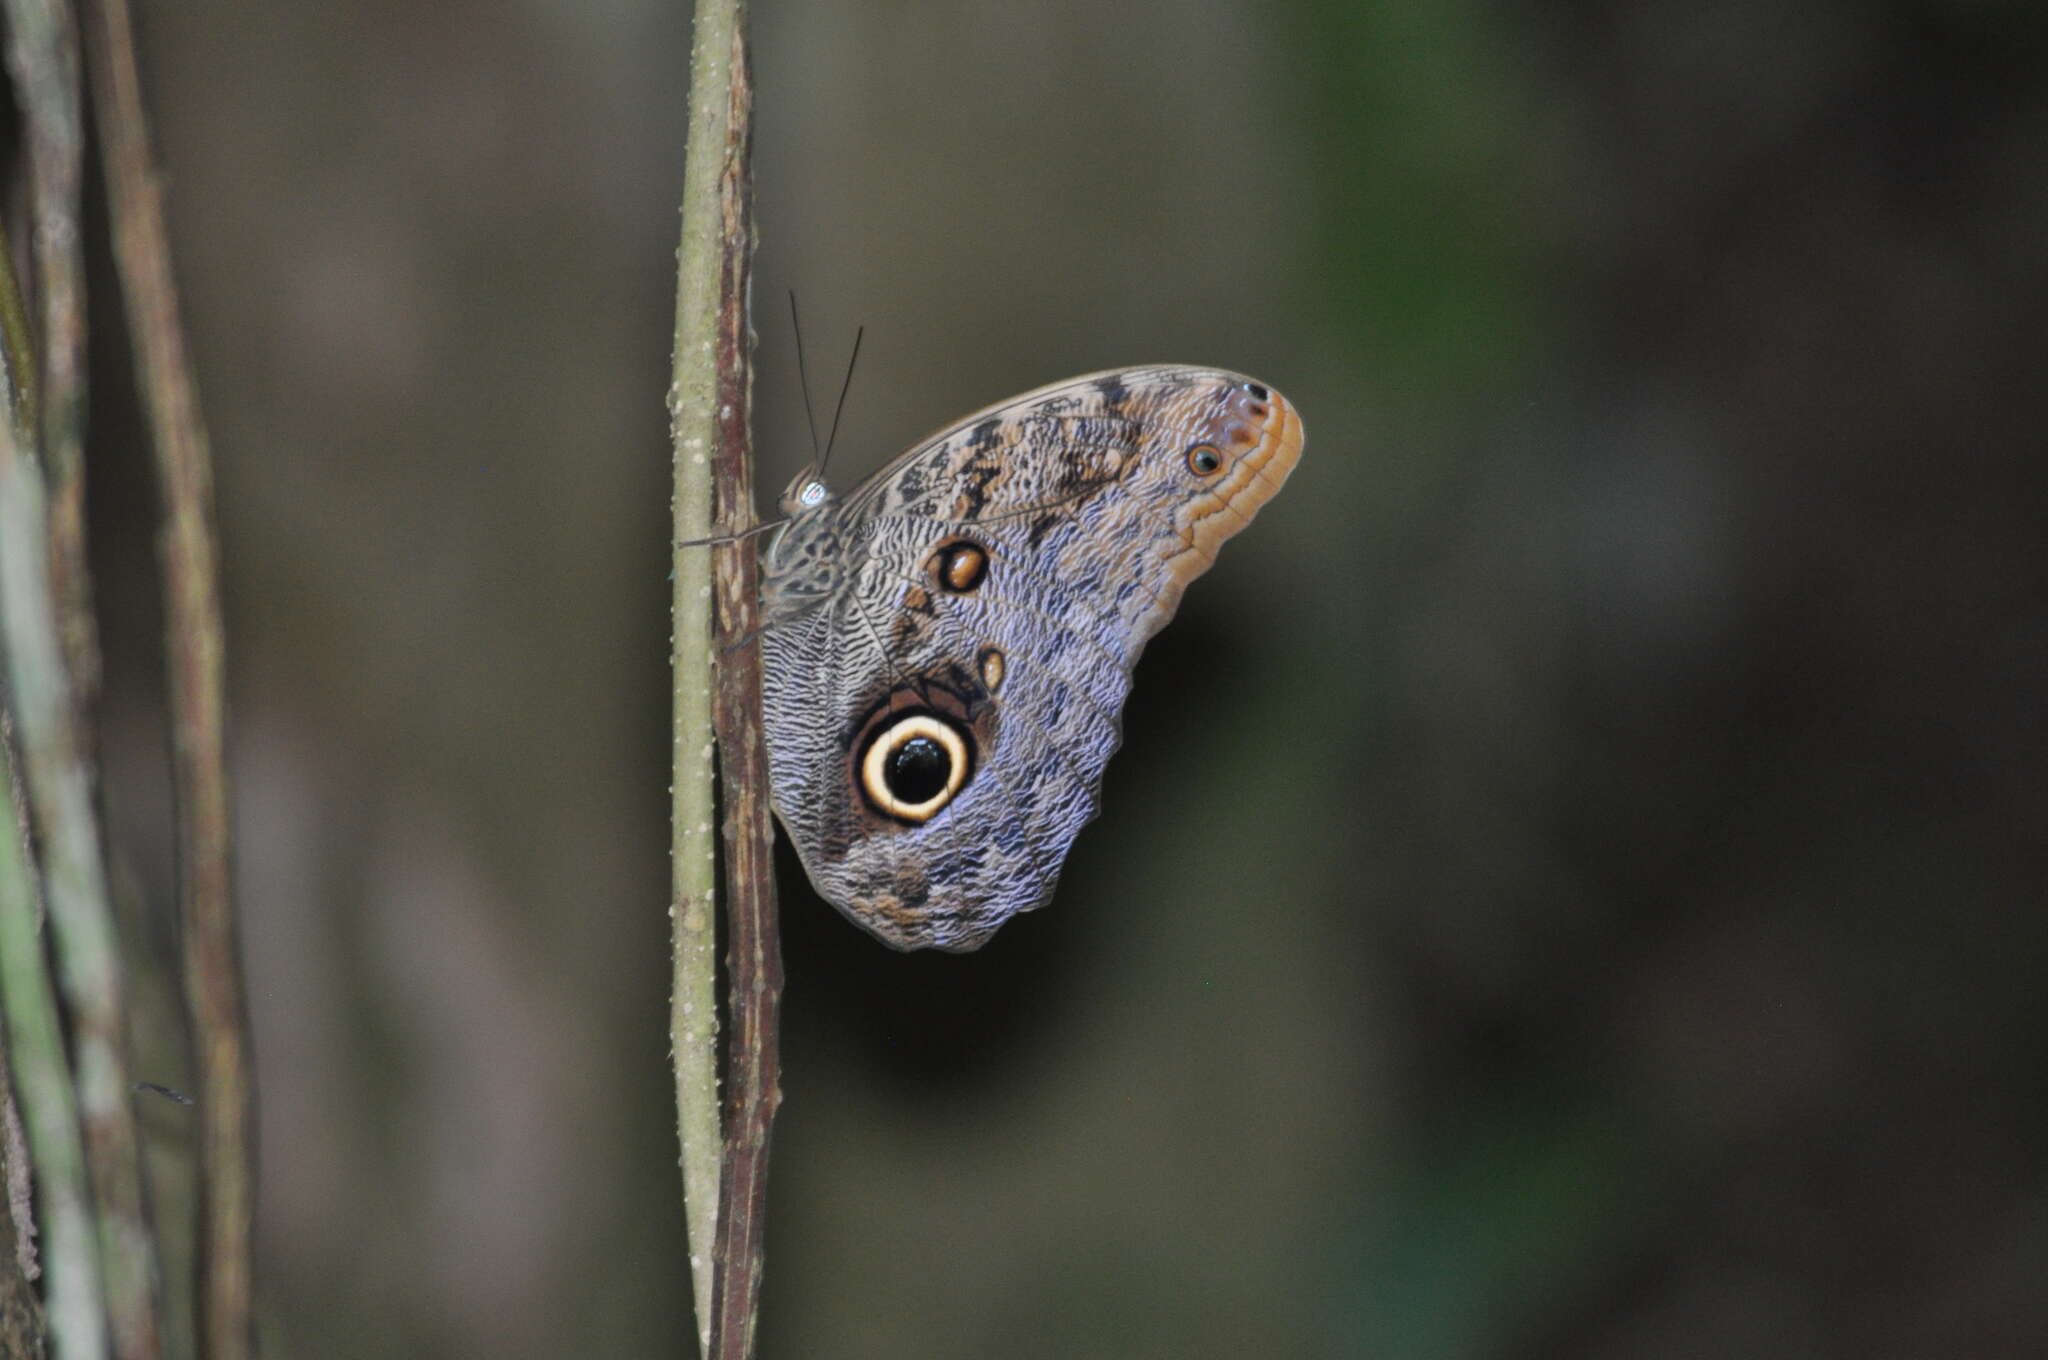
(1572, 884)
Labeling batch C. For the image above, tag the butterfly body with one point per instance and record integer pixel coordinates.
(948, 647)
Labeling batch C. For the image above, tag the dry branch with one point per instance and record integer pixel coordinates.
(194, 656)
(711, 414)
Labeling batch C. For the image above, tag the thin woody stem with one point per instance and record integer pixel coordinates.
(713, 397)
(194, 652)
(755, 960)
(58, 783)
(693, 780)
(76, 1315)
(43, 59)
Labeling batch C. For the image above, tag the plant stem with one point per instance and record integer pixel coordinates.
(693, 428)
(43, 56)
(755, 960)
(711, 414)
(194, 655)
(57, 778)
(59, 1131)
(35, 1070)
(21, 1311)
(75, 1316)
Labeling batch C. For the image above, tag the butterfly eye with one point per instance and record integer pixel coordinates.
(959, 566)
(1204, 459)
(914, 766)
(813, 494)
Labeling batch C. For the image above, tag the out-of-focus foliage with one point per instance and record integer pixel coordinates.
(1572, 884)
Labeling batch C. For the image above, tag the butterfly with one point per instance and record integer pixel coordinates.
(947, 648)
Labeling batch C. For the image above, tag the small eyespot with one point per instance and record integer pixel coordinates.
(1256, 390)
(992, 665)
(958, 566)
(1257, 410)
(914, 766)
(812, 494)
(1204, 459)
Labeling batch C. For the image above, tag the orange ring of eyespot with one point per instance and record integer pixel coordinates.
(874, 778)
(1196, 456)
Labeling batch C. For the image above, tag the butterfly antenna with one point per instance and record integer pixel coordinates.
(803, 378)
(853, 359)
(720, 540)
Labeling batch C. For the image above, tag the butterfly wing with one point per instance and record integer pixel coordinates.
(938, 731)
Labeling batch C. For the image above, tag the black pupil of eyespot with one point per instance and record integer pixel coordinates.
(1205, 460)
(918, 769)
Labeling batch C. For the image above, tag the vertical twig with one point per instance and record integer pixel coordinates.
(43, 56)
(194, 655)
(693, 413)
(17, 352)
(35, 1037)
(34, 1065)
(57, 777)
(756, 957)
(76, 1319)
(21, 1314)
(711, 409)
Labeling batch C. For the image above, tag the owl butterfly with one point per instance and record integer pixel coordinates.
(947, 648)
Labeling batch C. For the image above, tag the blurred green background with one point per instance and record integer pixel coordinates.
(1572, 884)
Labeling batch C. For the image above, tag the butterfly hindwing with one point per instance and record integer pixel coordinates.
(938, 728)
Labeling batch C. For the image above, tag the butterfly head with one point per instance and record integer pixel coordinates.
(807, 494)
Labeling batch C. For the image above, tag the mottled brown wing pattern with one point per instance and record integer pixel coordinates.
(950, 647)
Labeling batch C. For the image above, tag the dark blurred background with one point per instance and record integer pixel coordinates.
(1572, 884)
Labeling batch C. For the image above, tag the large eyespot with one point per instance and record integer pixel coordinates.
(913, 766)
(1204, 460)
(959, 565)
